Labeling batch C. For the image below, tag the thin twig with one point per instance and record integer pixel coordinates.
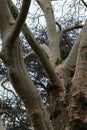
(65, 38)
(84, 3)
(71, 28)
(2, 84)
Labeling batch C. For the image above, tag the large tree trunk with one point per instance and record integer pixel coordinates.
(66, 112)
(78, 106)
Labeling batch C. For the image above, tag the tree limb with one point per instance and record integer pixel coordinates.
(71, 28)
(19, 77)
(84, 3)
(20, 20)
(60, 29)
(68, 66)
(36, 47)
(53, 37)
(32, 55)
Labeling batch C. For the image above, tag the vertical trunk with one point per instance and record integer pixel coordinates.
(58, 112)
(78, 106)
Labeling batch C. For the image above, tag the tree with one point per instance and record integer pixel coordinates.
(1, 126)
(66, 88)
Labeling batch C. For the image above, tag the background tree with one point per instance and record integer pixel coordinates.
(65, 81)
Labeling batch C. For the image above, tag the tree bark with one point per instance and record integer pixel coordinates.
(54, 79)
(64, 116)
(53, 37)
(12, 57)
(78, 106)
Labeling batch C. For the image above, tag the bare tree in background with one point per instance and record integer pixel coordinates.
(68, 110)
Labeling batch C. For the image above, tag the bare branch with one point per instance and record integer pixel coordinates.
(22, 82)
(36, 47)
(55, 57)
(59, 26)
(68, 66)
(60, 29)
(84, 3)
(32, 55)
(68, 29)
(2, 84)
(71, 28)
(20, 20)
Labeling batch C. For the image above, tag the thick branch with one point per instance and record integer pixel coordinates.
(20, 20)
(32, 55)
(70, 62)
(68, 66)
(53, 37)
(5, 22)
(36, 47)
(20, 79)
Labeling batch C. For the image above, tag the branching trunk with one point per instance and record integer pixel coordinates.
(12, 57)
(66, 112)
(37, 49)
(67, 68)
